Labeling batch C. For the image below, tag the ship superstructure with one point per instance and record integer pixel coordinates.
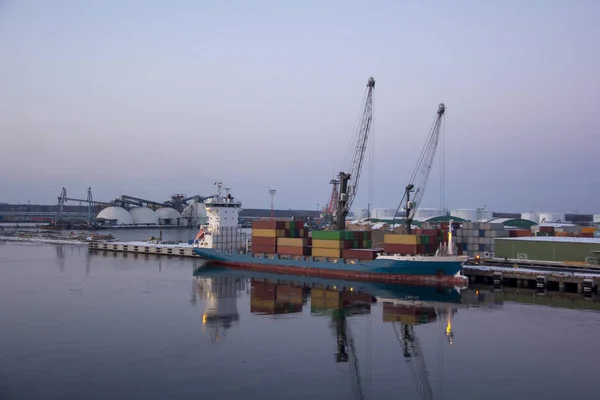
(222, 232)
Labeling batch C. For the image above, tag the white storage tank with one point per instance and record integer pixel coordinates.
(548, 217)
(531, 216)
(361, 213)
(468, 214)
(383, 213)
(484, 214)
(143, 216)
(424, 214)
(596, 218)
(168, 216)
(115, 215)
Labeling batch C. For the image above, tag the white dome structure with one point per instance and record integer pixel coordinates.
(117, 215)
(195, 213)
(143, 216)
(168, 216)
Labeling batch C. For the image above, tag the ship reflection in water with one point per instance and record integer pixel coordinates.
(220, 294)
(272, 294)
(402, 306)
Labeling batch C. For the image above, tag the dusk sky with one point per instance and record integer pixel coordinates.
(151, 98)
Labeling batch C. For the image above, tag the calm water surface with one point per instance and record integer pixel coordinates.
(81, 326)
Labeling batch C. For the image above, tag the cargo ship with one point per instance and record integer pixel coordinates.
(286, 247)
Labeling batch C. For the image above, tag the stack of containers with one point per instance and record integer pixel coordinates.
(266, 235)
(361, 247)
(519, 233)
(545, 231)
(403, 244)
(587, 231)
(333, 243)
(270, 298)
(477, 238)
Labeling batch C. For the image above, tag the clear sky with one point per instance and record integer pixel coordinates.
(150, 98)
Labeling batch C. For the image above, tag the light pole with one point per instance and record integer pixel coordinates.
(272, 193)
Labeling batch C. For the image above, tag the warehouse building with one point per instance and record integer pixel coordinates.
(560, 249)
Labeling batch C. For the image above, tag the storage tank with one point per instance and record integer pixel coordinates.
(383, 213)
(484, 214)
(548, 217)
(361, 213)
(531, 216)
(423, 214)
(596, 218)
(143, 216)
(168, 216)
(116, 215)
(469, 214)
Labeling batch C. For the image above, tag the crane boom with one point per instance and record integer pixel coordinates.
(350, 178)
(420, 176)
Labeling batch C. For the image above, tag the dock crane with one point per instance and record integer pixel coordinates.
(62, 199)
(348, 179)
(420, 176)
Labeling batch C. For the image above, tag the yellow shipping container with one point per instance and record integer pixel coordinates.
(293, 242)
(320, 252)
(326, 303)
(272, 233)
(588, 229)
(328, 244)
(402, 239)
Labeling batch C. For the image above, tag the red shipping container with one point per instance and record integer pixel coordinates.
(263, 241)
(547, 229)
(293, 251)
(360, 254)
(256, 249)
(268, 224)
(400, 248)
(586, 235)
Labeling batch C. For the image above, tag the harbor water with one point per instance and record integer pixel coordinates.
(77, 325)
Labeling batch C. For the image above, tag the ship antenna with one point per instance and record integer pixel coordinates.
(219, 186)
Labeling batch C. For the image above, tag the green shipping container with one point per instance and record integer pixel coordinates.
(333, 235)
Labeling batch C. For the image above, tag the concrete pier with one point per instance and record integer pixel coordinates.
(179, 250)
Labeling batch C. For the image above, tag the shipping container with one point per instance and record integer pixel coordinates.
(331, 244)
(402, 239)
(293, 250)
(333, 235)
(395, 248)
(296, 242)
(361, 254)
(321, 252)
(270, 224)
(264, 241)
(274, 233)
(257, 249)
(588, 229)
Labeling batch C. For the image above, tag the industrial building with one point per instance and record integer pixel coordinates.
(560, 249)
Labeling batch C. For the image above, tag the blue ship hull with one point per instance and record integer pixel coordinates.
(414, 270)
(407, 293)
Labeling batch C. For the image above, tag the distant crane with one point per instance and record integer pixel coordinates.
(349, 178)
(419, 177)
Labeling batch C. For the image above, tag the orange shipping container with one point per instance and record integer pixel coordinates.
(320, 252)
(293, 251)
(295, 242)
